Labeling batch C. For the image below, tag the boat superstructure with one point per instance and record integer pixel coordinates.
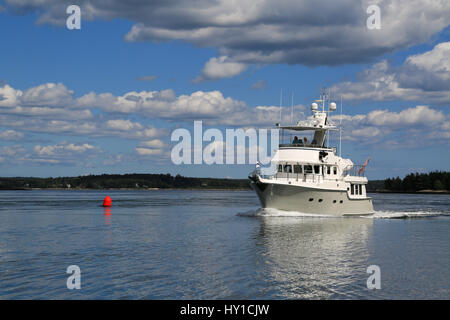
(309, 176)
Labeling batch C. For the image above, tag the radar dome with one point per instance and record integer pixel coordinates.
(332, 106)
(314, 106)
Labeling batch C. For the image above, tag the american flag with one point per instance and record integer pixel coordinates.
(363, 167)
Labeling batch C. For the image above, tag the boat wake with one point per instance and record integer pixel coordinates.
(407, 214)
(270, 212)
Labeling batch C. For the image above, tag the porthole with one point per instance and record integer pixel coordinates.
(341, 201)
(334, 201)
(320, 200)
(311, 199)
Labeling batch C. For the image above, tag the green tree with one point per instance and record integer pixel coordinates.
(438, 185)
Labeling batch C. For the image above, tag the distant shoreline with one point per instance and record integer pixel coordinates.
(432, 183)
(412, 192)
(443, 192)
(126, 189)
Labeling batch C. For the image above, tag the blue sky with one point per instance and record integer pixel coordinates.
(64, 94)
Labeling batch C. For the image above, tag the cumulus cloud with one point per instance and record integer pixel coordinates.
(219, 68)
(48, 94)
(309, 32)
(156, 143)
(153, 148)
(62, 153)
(423, 77)
(123, 125)
(76, 116)
(411, 127)
(210, 106)
(9, 97)
(260, 84)
(165, 104)
(429, 71)
(62, 148)
(148, 152)
(48, 100)
(11, 135)
(420, 115)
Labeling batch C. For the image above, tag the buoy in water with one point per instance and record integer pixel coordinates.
(107, 202)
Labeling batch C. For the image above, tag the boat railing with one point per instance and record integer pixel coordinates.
(354, 171)
(303, 177)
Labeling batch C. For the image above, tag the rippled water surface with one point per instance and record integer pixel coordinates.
(218, 245)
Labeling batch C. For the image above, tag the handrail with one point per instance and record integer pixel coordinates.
(354, 170)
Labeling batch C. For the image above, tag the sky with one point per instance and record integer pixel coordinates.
(106, 98)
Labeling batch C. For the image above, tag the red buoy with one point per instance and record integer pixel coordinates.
(107, 201)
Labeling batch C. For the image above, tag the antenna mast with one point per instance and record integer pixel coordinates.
(340, 132)
(292, 108)
(281, 102)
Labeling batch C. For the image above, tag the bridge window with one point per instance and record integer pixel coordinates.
(298, 168)
(328, 169)
(288, 168)
(280, 168)
(352, 189)
(334, 170)
(317, 169)
(308, 169)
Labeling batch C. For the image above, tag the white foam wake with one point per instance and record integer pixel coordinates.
(406, 214)
(270, 212)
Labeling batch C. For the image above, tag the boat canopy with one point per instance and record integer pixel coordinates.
(318, 123)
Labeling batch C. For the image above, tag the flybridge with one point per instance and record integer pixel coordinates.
(319, 122)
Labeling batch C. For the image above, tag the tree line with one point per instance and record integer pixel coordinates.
(126, 181)
(413, 182)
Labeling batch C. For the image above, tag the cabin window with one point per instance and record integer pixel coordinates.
(334, 170)
(288, 168)
(356, 189)
(298, 168)
(328, 170)
(308, 169)
(280, 168)
(317, 169)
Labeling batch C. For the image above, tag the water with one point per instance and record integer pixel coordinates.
(218, 245)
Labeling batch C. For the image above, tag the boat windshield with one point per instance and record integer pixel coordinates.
(305, 138)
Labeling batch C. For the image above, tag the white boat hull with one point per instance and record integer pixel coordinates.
(310, 200)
